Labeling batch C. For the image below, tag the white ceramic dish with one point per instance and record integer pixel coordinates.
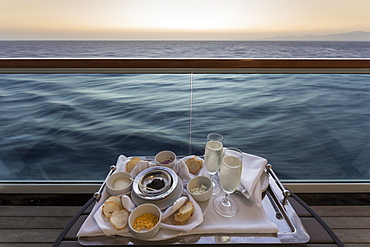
(165, 158)
(113, 184)
(146, 208)
(164, 234)
(198, 182)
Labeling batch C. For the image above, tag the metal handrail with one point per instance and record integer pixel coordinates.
(178, 65)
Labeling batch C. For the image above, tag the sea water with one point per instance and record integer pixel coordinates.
(72, 127)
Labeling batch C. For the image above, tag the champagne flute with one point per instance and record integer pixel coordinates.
(212, 158)
(230, 175)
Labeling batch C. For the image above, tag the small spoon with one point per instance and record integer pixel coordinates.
(143, 185)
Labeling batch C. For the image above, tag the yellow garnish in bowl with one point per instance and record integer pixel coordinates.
(145, 222)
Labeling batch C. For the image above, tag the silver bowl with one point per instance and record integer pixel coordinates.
(167, 175)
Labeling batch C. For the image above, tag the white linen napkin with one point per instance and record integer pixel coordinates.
(250, 219)
(176, 205)
(182, 169)
(252, 170)
(141, 165)
(121, 163)
(107, 228)
(195, 220)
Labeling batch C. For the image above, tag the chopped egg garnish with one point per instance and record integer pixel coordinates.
(199, 190)
(145, 222)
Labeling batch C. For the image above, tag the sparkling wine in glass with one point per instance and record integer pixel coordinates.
(230, 174)
(212, 158)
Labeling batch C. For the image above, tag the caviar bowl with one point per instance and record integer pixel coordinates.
(155, 183)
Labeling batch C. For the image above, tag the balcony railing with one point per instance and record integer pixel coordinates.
(260, 66)
(200, 74)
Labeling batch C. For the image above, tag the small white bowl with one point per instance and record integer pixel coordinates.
(119, 183)
(137, 212)
(198, 182)
(165, 158)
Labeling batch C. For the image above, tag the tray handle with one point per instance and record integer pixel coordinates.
(286, 193)
(97, 194)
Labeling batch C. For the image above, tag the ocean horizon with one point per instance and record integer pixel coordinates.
(184, 49)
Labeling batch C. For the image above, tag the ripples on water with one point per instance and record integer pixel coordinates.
(185, 49)
(73, 127)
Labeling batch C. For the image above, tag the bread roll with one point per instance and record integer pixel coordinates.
(119, 219)
(131, 164)
(116, 199)
(109, 207)
(184, 213)
(194, 165)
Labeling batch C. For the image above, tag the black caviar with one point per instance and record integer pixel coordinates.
(156, 184)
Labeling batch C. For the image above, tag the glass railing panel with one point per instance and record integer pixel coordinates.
(72, 127)
(310, 127)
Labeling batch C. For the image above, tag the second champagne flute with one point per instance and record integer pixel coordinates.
(213, 157)
(230, 175)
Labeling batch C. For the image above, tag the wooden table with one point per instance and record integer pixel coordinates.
(320, 233)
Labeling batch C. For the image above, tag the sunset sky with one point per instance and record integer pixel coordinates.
(178, 19)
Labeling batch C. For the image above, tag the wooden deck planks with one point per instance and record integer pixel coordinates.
(34, 222)
(358, 245)
(25, 245)
(349, 211)
(28, 235)
(353, 236)
(350, 223)
(40, 225)
(39, 210)
(22, 226)
(347, 222)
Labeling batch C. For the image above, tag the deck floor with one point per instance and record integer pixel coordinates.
(38, 222)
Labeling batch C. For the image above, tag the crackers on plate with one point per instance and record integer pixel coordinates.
(132, 163)
(115, 212)
(194, 165)
(183, 214)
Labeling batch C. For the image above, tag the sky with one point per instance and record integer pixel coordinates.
(178, 19)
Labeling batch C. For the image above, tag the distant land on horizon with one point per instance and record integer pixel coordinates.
(349, 36)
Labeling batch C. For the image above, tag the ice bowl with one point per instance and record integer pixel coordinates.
(162, 181)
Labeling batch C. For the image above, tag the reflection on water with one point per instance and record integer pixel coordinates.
(73, 127)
